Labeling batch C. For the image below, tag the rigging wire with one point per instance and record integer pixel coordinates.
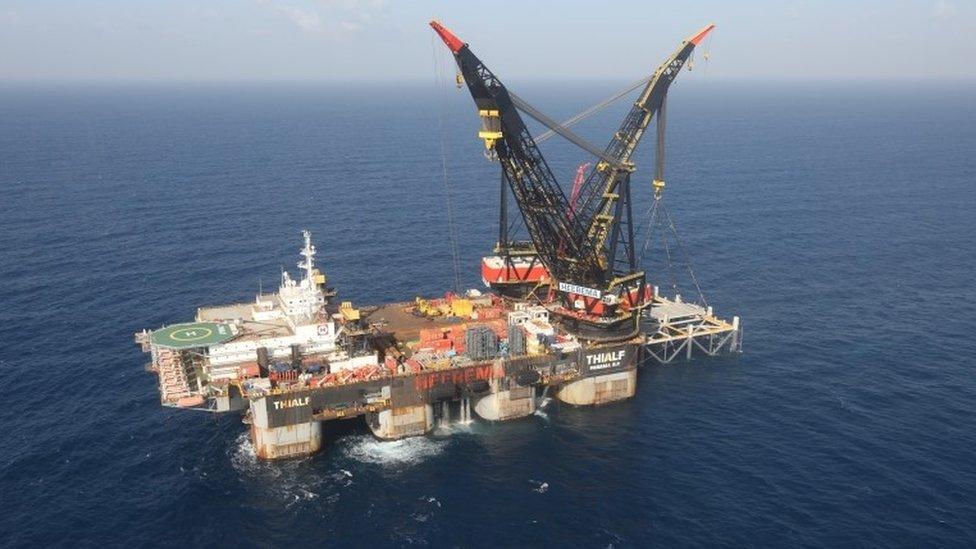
(651, 216)
(684, 255)
(659, 219)
(708, 51)
(594, 109)
(441, 84)
(675, 289)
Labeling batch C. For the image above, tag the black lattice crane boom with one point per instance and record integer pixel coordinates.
(588, 247)
(558, 238)
(604, 197)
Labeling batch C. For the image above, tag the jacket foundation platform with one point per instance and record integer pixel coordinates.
(291, 360)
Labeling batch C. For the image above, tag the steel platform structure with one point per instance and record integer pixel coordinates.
(674, 329)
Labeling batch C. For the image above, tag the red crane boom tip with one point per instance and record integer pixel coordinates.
(449, 38)
(700, 35)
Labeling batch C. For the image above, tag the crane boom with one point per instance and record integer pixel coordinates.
(557, 236)
(558, 128)
(587, 243)
(601, 190)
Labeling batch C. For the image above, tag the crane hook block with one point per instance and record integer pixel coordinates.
(491, 127)
(658, 188)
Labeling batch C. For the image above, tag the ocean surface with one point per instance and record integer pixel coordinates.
(837, 219)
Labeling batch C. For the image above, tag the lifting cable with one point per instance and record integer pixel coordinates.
(658, 217)
(617, 96)
(708, 51)
(594, 109)
(684, 256)
(441, 83)
(675, 287)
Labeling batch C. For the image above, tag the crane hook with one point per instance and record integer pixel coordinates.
(658, 188)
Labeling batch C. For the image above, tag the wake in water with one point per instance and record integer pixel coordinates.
(542, 402)
(446, 424)
(541, 486)
(408, 451)
(292, 482)
(449, 429)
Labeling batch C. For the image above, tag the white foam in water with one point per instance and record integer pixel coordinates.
(409, 451)
(540, 406)
(299, 496)
(541, 486)
(244, 459)
(342, 478)
(290, 481)
(454, 428)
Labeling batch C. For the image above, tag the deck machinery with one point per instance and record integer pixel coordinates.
(569, 310)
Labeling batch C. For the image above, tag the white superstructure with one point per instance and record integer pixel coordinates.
(295, 316)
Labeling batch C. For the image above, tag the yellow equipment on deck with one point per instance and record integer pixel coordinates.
(349, 313)
(426, 308)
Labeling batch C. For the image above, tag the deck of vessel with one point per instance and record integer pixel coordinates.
(399, 319)
(243, 313)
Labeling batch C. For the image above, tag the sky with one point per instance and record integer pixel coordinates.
(388, 40)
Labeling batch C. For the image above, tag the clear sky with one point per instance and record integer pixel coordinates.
(389, 39)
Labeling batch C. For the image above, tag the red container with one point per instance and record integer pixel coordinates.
(442, 344)
(248, 369)
(489, 313)
(283, 376)
(431, 334)
(327, 379)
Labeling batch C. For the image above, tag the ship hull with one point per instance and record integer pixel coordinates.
(287, 425)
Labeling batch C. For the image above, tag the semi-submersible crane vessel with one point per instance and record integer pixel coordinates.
(568, 310)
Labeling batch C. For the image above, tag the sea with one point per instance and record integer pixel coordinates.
(836, 219)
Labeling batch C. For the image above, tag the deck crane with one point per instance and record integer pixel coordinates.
(587, 247)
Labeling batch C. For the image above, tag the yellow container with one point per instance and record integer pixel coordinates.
(461, 307)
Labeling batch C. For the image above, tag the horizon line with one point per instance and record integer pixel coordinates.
(429, 82)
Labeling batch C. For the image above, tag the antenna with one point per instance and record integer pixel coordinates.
(309, 253)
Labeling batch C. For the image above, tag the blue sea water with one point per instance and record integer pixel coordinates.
(837, 219)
